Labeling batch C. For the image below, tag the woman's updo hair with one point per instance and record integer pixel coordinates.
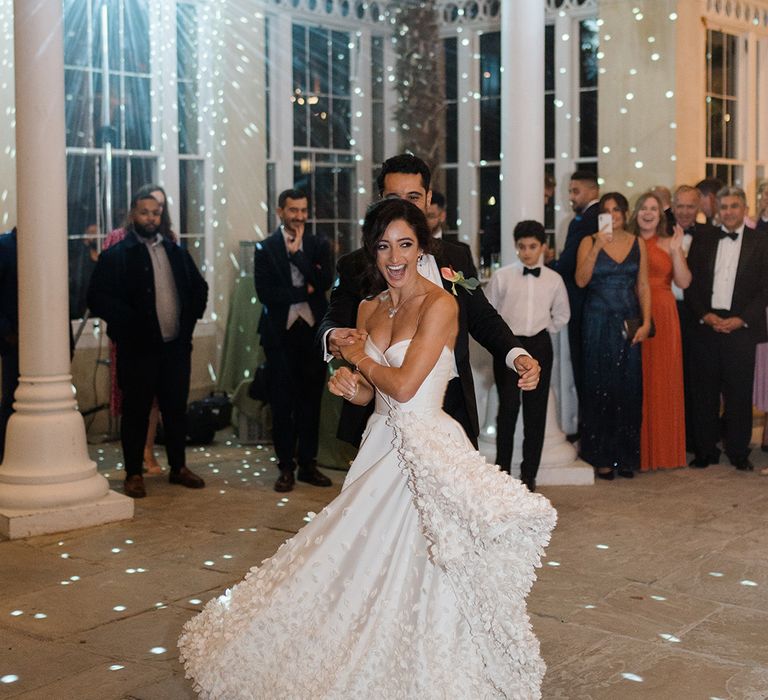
(377, 219)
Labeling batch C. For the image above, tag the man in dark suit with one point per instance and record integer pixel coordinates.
(408, 177)
(686, 203)
(151, 294)
(292, 272)
(9, 328)
(727, 298)
(584, 195)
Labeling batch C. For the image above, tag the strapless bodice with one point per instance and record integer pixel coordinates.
(429, 397)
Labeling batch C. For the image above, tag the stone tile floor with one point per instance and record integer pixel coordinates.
(652, 588)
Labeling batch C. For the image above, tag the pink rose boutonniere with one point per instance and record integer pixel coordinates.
(450, 275)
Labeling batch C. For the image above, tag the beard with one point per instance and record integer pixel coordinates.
(145, 232)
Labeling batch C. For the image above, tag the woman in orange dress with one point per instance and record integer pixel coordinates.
(662, 436)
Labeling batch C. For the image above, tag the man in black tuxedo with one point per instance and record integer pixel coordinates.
(584, 195)
(727, 297)
(686, 202)
(408, 177)
(292, 272)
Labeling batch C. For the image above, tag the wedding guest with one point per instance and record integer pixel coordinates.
(762, 207)
(533, 301)
(728, 296)
(612, 265)
(662, 437)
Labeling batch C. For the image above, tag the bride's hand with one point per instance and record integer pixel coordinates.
(355, 352)
(344, 383)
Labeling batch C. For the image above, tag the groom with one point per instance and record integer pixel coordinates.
(408, 177)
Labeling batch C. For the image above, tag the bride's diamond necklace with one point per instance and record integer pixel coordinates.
(392, 310)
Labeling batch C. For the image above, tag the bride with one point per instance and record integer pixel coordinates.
(412, 582)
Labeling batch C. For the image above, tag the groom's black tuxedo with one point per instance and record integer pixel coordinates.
(476, 317)
(725, 362)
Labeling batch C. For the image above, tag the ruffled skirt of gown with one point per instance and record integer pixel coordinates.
(410, 584)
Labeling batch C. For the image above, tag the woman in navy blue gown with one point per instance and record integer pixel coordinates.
(612, 266)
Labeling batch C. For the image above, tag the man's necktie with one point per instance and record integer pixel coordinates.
(535, 271)
(729, 234)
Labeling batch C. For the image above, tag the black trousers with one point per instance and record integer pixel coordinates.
(534, 407)
(141, 375)
(297, 375)
(722, 364)
(10, 380)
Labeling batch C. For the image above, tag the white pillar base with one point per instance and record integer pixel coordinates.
(48, 482)
(16, 524)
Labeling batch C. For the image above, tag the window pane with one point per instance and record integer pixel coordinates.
(318, 61)
(136, 36)
(715, 58)
(549, 57)
(451, 132)
(191, 189)
(299, 59)
(588, 124)
(319, 124)
(340, 63)
(76, 107)
(588, 53)
(451, 198)
(490, 129)
(186, 42)
(715, 127)
(451, 69)
(490, 64)
(729, 126)
(731, 65)
(196, 247)
(299, 124)
(188, 124)
(138, 114)
(490, 211)
(340, 117)
(75, 29)
(549, 126)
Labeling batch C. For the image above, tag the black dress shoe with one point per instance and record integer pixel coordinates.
(530, 483)
(310, 474)
(744, 465)
(133, 486)
(608, 476)
(285, 482)
(627, 473)
(185, 477)
(699, 462)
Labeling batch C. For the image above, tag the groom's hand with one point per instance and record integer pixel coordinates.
(340, 338)
(529, 371)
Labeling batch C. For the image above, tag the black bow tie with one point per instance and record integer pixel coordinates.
(729, 234)
(535, 271)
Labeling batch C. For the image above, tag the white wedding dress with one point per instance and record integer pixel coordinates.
(410, 584)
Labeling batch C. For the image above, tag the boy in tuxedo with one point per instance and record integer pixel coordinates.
(533, 300)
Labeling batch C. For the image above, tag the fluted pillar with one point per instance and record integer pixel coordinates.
(522, 117)
(47, 482)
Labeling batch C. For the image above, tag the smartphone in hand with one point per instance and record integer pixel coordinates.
(605, 223)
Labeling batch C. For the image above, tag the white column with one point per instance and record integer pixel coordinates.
(468, 51)
(522, 117)
(281, 108)
(362, 121)
(47, 481)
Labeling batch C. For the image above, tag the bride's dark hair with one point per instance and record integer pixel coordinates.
(378, 217)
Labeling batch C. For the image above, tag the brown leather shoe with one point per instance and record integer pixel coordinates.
(187, 478)
(133, 486)
(310, 474)
(285, 482)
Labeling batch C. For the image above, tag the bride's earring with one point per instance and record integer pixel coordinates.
(420, 259)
